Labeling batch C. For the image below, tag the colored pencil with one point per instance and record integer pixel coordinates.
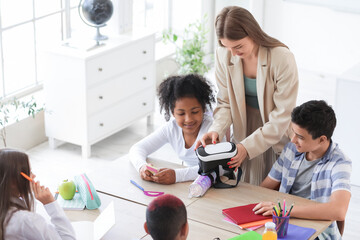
(288, 213)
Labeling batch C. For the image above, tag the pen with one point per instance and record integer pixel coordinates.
(26, 176)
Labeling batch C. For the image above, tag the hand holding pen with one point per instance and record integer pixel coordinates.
(41, 193)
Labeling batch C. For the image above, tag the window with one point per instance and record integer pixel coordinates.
(25, 26)
(164, 14)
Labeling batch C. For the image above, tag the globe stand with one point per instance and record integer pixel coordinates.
(99, 37)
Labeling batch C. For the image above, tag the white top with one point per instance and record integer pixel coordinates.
(170, 133)
(29, 225)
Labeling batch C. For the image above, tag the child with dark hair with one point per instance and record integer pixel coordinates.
(186, 98)
(17, 217)
(166, 219)
(312, 166)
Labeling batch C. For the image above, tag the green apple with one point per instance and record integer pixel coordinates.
(67, 189)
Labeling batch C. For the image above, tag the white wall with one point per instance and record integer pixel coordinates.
(322, 40)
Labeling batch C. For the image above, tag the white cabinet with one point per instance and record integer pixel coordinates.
(347, 109)
(91, 95)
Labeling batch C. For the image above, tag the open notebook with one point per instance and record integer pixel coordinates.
(97, 229)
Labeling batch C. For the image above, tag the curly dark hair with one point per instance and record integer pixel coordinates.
(317, 117)
(190, 85)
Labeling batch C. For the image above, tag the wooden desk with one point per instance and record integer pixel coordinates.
(208, 209)
(205, 213)
(114, 179)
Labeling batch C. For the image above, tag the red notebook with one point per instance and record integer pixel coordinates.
(243, 214)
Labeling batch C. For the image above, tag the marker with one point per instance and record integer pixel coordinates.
(27, 177)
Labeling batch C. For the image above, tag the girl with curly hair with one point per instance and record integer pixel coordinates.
(186, 98)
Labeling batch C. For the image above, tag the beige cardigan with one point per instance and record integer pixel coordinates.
(277, 88)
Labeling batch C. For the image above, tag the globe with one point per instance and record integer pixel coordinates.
(96, 13)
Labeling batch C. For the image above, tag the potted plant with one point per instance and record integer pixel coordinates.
(11, 110)
(190, 52)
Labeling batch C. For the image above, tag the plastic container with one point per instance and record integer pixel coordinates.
(201, 184)
(281, 224)
(269, 232)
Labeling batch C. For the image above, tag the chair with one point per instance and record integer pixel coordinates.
(341, 226)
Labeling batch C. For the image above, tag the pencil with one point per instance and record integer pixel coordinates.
(279, 205)
(288, 213)
(284, 208)
(275, 211)
(26, 176)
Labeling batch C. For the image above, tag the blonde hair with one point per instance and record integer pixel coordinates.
(235, 23)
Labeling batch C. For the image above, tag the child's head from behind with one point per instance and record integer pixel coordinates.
(175, 88)
(166, 218)
(312, 123)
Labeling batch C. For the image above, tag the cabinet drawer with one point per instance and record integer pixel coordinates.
(120, 60)
(120, 115)
(120, 87)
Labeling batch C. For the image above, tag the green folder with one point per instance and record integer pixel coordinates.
(252, 235)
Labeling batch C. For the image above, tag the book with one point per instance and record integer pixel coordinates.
(252, 235)
(243, 214)
(74, 204)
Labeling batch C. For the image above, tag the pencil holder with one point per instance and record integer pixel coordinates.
(282, 224)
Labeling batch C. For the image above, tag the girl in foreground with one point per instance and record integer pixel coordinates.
(17, 217)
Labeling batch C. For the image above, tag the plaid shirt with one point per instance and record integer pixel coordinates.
(332, 173)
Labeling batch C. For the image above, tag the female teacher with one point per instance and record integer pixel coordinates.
(258, 83)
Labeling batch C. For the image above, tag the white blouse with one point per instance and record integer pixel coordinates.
(170, 133)
(29, 225)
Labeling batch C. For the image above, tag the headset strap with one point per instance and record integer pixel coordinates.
(219, 184)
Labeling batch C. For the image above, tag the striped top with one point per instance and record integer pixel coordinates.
(331, 173)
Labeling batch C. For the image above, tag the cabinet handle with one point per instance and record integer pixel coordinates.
(100, 69)
(144, 52)
(101, 97)
(144, 103)
(144, 78)
(101, 124)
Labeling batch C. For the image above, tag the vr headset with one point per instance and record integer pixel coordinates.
(213, 156)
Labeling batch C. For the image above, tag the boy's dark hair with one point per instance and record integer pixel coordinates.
(190, 85)
(317, 117)
(165, 217)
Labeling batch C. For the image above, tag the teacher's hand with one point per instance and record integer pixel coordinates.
(145, 173)
(165, 176)
(241, 155)
(210, 137)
